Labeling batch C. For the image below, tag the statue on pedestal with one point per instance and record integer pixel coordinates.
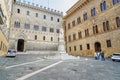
(61, 46)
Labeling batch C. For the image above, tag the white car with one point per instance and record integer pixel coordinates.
(116, 57)
(11, 53)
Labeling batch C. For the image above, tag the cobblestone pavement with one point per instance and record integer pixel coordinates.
(35, 67)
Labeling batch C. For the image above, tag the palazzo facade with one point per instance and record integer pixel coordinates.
(5, 13)
(34, 28)
(91, 26)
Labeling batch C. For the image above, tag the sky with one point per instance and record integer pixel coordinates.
(60, 5)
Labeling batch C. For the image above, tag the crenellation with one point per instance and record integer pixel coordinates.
(36, 6)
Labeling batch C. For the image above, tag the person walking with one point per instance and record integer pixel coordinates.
(102, 56)
(96, 55)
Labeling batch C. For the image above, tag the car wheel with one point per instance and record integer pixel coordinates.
(113, 60)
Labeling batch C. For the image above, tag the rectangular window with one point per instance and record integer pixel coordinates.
(51, 30)
(80, 47)
(73, 23)
(44, 29)
(36, 27)
(108, 43)
(88, 46)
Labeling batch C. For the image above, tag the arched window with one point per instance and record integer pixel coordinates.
(43, 37)
(35, 37)
(101, 7)
(17, 24)
(51, 38)
(28, 12)
(104, 4)
(85, 16)
(107, 25)
(80, 35)
(104, 25)
(18, 10)
(115, 1)
(44, 17)
(118, 21)
(95, 29)
(93, 12)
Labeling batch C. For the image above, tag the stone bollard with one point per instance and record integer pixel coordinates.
(3, 73)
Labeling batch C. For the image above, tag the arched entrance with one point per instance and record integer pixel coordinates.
(20, 45)
(97, 46)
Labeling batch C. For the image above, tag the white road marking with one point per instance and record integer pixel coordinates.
(38, 71)
(23, 64)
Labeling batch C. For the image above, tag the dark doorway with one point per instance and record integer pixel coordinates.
(20, 45)
(97, 46)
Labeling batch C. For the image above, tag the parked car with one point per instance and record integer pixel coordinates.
(116, 57)
(11, 53)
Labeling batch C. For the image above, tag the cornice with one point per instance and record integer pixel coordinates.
(80, 4)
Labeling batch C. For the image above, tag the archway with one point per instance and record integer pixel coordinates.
(97, 46)
(20, 45)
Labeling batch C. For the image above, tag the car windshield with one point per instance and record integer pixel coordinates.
(116, 54)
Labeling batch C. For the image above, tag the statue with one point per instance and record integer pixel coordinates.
(61, 46)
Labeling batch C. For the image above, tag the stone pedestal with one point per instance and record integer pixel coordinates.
(61, 46)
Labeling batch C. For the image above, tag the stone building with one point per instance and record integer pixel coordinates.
(5, 13)
(91, 25)
(34, 28)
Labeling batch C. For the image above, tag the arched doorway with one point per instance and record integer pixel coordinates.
(97, 46)
(20, 45)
